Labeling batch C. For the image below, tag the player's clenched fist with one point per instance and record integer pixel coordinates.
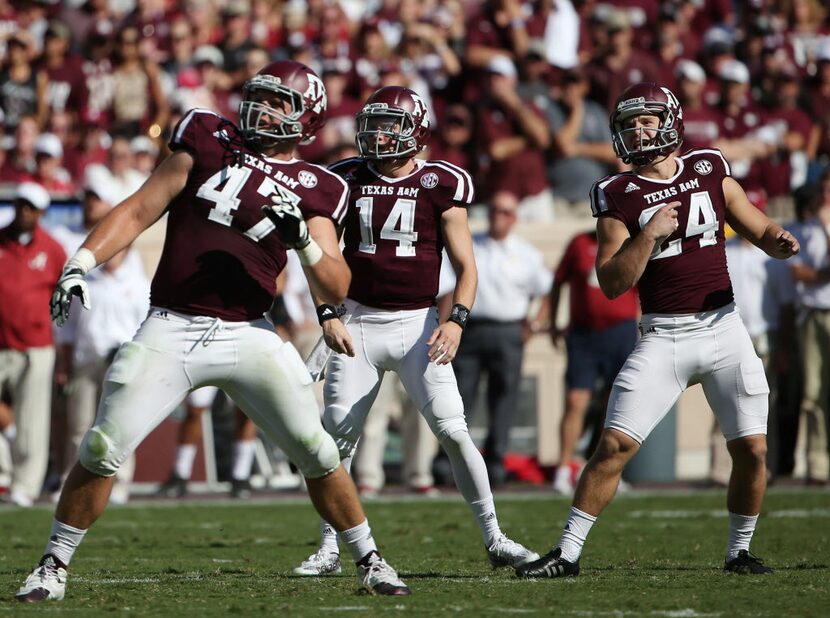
(786, 245)
(287, 218)
(663, 223)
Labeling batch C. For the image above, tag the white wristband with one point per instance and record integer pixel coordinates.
(310, 254)
(83, 259)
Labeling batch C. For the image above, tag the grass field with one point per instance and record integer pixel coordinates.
(648, 555)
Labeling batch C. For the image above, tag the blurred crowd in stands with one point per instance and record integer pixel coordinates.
(519, 93)
(519, 89)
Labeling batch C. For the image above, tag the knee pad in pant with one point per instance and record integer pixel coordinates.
(321, 457)
(98, 452)
(445, 414)
(346, 435)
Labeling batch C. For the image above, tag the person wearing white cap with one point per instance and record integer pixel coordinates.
(517, 135)
(700, 121)
(49, 171)
(31, 262)
(741, 138)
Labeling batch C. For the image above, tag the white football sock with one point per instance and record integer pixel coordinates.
(63, 541)
(741, 529)
(576, 530)
(470, 475)
(243, 459)
(185, 456)
(359, 540)
(328, 535)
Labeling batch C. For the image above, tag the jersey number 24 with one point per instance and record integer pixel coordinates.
(702, 221)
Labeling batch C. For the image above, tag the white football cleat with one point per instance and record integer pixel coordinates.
(322, 562)
(46, 583)
(505, 552)
(378, 577)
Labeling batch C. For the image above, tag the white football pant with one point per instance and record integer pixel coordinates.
(173, 354)
(676, 351)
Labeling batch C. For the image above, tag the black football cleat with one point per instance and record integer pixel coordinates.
(746, 563)
(173, 487)
(551, 565)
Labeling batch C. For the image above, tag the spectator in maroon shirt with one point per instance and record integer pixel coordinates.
(599, 338)
(515, 136)
(741, 139)
(701, 122)
(453, 140)
(818, 96)
(786, 169)
(97, 69)
(498, 30)
(66, 89)
(620, 64)
(236, 40)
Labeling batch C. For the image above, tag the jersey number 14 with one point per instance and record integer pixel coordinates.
(399, 226)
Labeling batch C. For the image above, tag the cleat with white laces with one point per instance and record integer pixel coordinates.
(322, 562)
(505, 552)
(376, 576)
(46, 583)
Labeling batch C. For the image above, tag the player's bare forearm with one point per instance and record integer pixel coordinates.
(754, 225)
(459, 244)
(621, 259)
(329, 279)
(124, 223)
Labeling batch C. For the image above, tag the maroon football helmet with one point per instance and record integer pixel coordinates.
(263, 125)
(651, 99)
(393, 124)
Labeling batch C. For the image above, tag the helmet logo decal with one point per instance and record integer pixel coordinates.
(315, 93)
(420, 110)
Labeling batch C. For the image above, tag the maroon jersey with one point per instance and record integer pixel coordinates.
(221, 256)
(687, 273)
(393, 240)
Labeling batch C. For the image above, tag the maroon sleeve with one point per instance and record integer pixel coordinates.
(602, 202)
(563, 271)
(330, 199)
(193, 124)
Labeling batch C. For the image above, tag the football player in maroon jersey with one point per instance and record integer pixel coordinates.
(402, 213)
(660, 226)
(213, 285)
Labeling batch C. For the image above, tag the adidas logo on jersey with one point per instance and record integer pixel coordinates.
(631, 187)
(222, 135)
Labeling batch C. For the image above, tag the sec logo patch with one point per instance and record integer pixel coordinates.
(307, 179)
(428, 181)
(703, 168)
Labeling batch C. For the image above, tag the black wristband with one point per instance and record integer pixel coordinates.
(326, 312)
(459, 315)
